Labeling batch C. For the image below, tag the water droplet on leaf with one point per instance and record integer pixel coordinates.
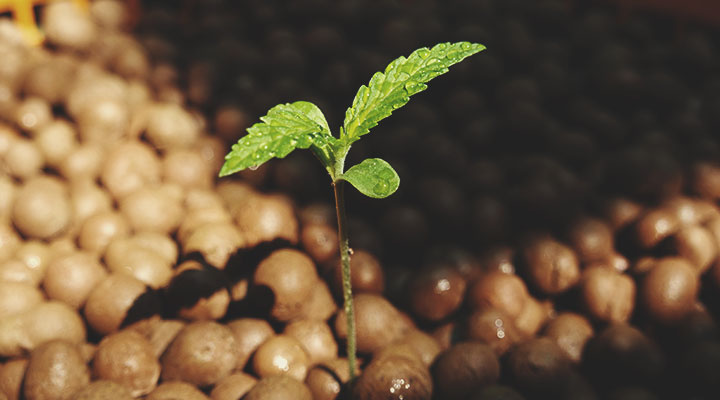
(380, 188)
(254, 167)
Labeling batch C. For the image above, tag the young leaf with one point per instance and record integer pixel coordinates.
(390, 90)
(285, 127)
(373, 177)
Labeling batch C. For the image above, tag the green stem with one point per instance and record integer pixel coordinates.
(347, 287)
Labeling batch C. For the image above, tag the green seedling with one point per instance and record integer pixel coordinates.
(301, 124)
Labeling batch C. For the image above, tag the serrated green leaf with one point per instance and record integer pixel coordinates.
(404, 77)
(285, 127)
(373, 177)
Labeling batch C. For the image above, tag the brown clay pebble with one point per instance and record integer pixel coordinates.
(500, 258)
(378, 323)
(42, 207)
(315, 337)
(669, 290)
(187, 168)
(505, 292)
(278, 387)
(551, 266)
(169, 125)
(18, 297)
(281, 354)
(538, 365)
(161, 333)
(697, 245)
(366, 274)
(493, 327)
(47, 321)
(129, 166)
(216, 241)
(56, 141)
(570, 332)
(102, 390)
(14, 270)
(152, 208)
(249, 334)
(130, 257)
(70, 278)
(426, 346)
(533, 316)
(706, 180)
(100, 229)
(320, 304)
(8, 188)
(127, 358)
(11, 377)
(233, 387)
(621, 354)
(9, 241)
(36, 256)
(108, 303)
(291, 276)
(320, 241)
(162, 244)
(176, 391)
(197, 217)
(464, 368)
(55, 370)
(591, 238)
(607, 295)
(687, 210)
(398, 348)
(266, 217)
(32, 114)
(202, 353)
(24, 159)
(436, 292)
(326, 380)
(84, 162)
(654, 226)
(394, 377)
(68, 26)
(88, 198)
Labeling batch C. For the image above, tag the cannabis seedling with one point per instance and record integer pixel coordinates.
(302, 125)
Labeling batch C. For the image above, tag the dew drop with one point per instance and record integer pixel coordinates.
(423, 53)
(380, 188)
(466, 46)
(254, 167)
(351, 251)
